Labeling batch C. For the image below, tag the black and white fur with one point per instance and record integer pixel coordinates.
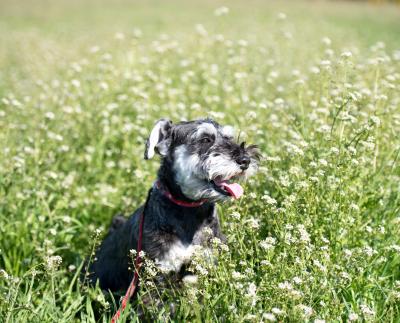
(193, 155)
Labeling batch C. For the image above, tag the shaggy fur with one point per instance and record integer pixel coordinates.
(194, 155)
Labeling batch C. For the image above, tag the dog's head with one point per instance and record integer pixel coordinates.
(203, 157)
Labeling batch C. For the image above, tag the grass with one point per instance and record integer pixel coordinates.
(316, 236)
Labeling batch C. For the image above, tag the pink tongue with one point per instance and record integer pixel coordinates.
(234, 189)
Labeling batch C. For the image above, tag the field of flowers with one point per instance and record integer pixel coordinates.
(316, 85)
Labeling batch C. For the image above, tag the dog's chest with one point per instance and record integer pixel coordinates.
(179, 253)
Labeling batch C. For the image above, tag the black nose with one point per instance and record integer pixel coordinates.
(243, 161)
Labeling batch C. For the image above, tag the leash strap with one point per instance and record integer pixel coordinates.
(138, 263)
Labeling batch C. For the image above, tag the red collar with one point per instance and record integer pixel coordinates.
(167, 194)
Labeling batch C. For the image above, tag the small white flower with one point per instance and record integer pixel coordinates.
(221, 11)
(285, 286)
(282, 16)
(53, 262)
(236, 215)
(353, 317)
(367, 250)
(366, 310)
(269, 200)
(49, 115)
(253, 223)
(201, 30)
(354, 207)
(346, 54)
(236, 275)
(326, 41)
(375, 120)
(119, 36)
(323, 162)
(4, 274)
(268, 243)
(269, 317)
(252, 293)
(307, 311)
(76, 83)
(277, 311)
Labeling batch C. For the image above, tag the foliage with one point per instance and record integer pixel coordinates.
(316, 236)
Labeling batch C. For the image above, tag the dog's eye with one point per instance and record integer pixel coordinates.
(205, 140)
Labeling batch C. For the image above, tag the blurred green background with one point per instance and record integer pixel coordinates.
(36, 37)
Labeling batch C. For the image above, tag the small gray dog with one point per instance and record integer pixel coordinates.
(199, 163)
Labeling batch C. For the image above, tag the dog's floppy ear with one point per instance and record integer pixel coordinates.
(158, 140)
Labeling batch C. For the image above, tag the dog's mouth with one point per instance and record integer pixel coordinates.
(227, 187)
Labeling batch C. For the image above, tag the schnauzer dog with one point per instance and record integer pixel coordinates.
(200, 162)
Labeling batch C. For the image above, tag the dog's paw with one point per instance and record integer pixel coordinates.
(190, 280)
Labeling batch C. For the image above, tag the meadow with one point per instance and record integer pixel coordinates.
(316, 237)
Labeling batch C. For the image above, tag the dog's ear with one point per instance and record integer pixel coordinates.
(159, 139)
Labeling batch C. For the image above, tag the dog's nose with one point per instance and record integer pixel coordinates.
(243, 161)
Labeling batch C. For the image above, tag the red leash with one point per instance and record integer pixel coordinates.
(138, 262)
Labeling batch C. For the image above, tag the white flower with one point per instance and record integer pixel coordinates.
(353, 317)
(268, 243)
(323, 162)
(201, 270)
(4, 274)
(319, 265)
(315, 70)
(307, 310)
(49, 115)
(236, 215)
(76, 83)
(369, 251)
(269, 317)
(269, 200)
(201, 30)
(221, 11)
(119, 36)
(252, 293)
(285, 286)
(265, 263)
(347, 54)
(326, 41)
(282, 16)
(304, 236)
(53, 262)
(354, 207)
(375, 120)
(366, 310)
(236, 275)
(253, 223)
(277, 311)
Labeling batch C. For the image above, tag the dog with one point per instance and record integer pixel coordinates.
(200, 162)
